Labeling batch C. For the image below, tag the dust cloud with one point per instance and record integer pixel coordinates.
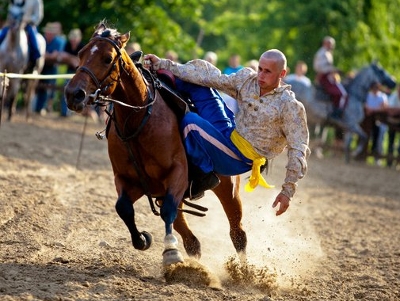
(286, 245)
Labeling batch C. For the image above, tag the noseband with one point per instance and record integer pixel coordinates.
(118, 59)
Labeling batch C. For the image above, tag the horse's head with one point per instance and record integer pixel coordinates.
(15, 17)
(101, 62)
(383, 76)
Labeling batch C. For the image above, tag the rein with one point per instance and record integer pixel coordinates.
(152, 94)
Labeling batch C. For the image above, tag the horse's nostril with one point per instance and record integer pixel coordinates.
(79, 95)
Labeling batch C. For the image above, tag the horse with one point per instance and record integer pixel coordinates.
(319, 107)
(144, 144)
(14, 58)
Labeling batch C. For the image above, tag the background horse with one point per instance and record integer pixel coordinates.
(144, 144)
(319, 109)
(14, 58)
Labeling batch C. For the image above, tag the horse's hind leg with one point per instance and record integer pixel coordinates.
(228, 193)
(190, 241)
(125, 210)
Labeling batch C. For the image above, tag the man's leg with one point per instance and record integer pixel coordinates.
(41, 96)
(209, 104)
(337, 94)
(3, 33)
(34, 48)
(214, 118)
(210, 151)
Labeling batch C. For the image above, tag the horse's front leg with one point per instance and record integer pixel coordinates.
(124, 207)
(168, 213)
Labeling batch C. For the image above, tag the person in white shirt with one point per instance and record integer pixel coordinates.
(327, 76)
(394, 102)
(301, 84)
(377, 101)
(32, 11)
(269, 121)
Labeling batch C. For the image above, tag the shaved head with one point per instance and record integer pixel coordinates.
(277, 56)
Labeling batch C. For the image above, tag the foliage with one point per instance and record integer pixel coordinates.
(364, 29)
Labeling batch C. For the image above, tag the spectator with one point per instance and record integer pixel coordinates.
(394, 102)
(133, 47)
(269, 121)
(328, 78)
(54, 46)
(234, 64)
(172, 55)
(32, 16)
(69, 56)
(253, 64)
(376, 102)
(301, 84)
(211, 57)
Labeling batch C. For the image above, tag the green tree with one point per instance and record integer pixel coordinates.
(364, 29)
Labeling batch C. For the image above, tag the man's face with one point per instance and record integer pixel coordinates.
(269, 74)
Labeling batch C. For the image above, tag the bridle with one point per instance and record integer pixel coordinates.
(100, 96)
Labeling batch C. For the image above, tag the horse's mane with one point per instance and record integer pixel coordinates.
(106, 31)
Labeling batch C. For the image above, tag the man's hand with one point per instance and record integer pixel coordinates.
(284, 201)
(151, 61)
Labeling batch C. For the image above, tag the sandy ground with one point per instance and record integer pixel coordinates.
(61, 239)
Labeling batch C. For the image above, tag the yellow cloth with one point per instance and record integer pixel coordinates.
(249, 152)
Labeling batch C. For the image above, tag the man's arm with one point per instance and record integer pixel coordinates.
(296, 131)
(197, 71)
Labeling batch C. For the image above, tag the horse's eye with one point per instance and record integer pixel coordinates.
(108, 60)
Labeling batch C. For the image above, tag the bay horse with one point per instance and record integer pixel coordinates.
(14, 58)
(144, 144)
(319, 107)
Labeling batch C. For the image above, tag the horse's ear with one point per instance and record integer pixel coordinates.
(100, 28)
(125, 38)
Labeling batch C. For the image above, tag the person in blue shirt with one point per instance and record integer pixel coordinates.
(55, 44)
(234, 64)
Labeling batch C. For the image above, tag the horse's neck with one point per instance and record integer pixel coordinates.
(16, 38)
(14, 51)
(133, 87)
(359, 86)
(131, 90)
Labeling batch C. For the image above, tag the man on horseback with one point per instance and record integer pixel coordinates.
(32, 16)
(328, 78)
(269, 121)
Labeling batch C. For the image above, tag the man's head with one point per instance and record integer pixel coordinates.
(301, 68)
(211, 57)
(271, 68)
(329, 43)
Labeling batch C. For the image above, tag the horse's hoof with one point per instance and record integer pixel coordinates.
(171, 256)
(148, 238)
(145, 241)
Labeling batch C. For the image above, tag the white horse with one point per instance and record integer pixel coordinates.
(14, 58)
(318, 110)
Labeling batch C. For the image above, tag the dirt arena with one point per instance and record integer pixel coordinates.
(61, 239)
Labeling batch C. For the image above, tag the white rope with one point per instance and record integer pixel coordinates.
(36, 76)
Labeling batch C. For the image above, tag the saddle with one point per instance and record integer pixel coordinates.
(320, 94)
(164, 82)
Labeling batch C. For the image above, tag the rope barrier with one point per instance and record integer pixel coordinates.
(36, 76)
